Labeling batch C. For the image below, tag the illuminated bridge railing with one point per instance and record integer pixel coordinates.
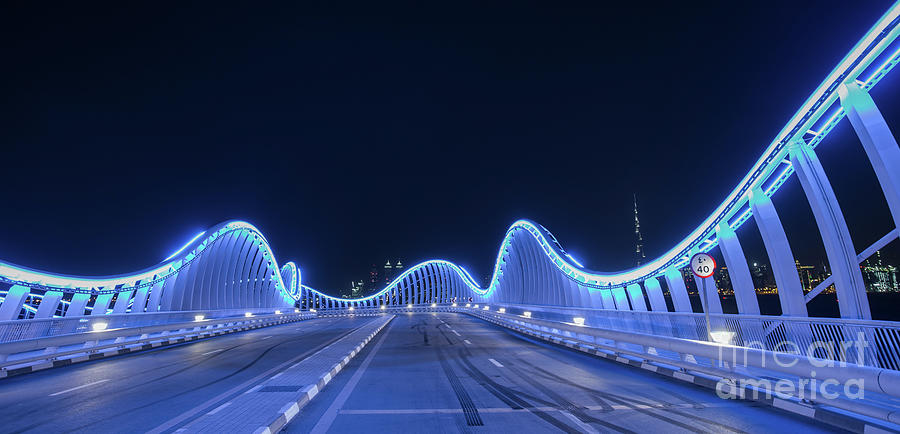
(862, 342)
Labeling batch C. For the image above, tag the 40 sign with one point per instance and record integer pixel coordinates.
(703, 265)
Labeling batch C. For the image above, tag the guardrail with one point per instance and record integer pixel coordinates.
(782, 334)
(45, 352)
(724, 366)
(17, 330)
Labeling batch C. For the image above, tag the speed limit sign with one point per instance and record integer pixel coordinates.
(703, 265)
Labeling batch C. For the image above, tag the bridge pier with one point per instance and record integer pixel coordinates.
(839, 247)
(790, 292)
(49, 304)
(738, 271)
(78, 303)
(12, 304)
(636, 296)
(677, 290)
(101, 304)
(654, 293)
(877, 140)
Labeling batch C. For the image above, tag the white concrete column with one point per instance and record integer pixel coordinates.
(140, 299)
(48, 305)
(620, 298)
(790, 291)
(738, 271)
(839, 247)
(12, 304)
(606, 296)
(101, 304)
(122, 300)
(636, 295)
(76, 306)
(678, 291)
(877, 140)
(654, 293)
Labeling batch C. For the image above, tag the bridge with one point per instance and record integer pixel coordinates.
(221, 337)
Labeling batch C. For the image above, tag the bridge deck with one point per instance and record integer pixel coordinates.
(455, 373)
(142, 391)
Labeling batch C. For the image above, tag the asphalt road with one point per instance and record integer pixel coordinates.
(165, 388)
(455, 373)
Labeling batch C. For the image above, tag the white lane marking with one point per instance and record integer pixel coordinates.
(276, 375)
(467, 342)
(454, 331)
(585, 427)
(496, 363)
(254, 388)
(327, 419)
(219, 408)
(267, 337)
(525, 410)
(78, 387)
(213, 351)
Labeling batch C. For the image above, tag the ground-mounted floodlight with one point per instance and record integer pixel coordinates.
(578, 320)
(526, 314)
(199, 318)
(99, 326)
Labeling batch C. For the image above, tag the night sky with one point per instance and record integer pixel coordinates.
(354, 133)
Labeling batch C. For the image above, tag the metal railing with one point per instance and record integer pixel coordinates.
(17, 330)
(862, 342)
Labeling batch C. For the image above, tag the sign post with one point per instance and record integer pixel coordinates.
(703, 265)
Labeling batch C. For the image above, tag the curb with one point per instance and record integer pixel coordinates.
(292, 408)
(821, 413)
(148, 346)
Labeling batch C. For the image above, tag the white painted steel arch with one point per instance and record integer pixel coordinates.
(229, 266)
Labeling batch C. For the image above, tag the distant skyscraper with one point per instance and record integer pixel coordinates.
(638, 240)
(372, 282)
(391, 271)
(879, 277)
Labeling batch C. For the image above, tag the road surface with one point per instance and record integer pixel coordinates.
(143, 391)
(455, 373)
